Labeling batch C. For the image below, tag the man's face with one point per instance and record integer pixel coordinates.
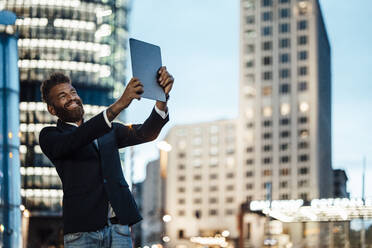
(65, 103)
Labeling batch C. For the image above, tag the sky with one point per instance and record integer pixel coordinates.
(200, 47)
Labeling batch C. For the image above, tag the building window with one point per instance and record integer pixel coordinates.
(303, 170)
(266, 160)
(284, 196)
(266, 173)
(230, 187)
(267, 16)
(285, 172)
(284, 1)
(197, 200)
(302, 55)
(304, 133)
(249, 49)
(213, 200)
(267, 123)
(249, 186)
(303, 145)
(267, 3)
(267, 45)
(181, 167)
(267, 111)
(267, 90)
(267, 60)
(284, 73)
(249, 161)
(284, 134)
(303, 183)
(230, 175)
(249, 64)
(284, 28)
(302, 86)
(302, 71)
(267, 31)
(213, 212)
(213, 176)
(284, 13)
(181, 201)
(181, 190)
(284, 121)
(213, 188)
(181, 213)
(303, 196)
(181, 178)
(197, 177)
(303, 158)
(284, 147)
(249, 149)
(302, 120)
(249, 19)
(284, 159)
(229, 212)
(181, 155)
(181, 234)
(197, 189)
(267, 148)
(249, 174)
(283, 184)
(267, 75)
(284, 43)
(229, 199)
(284, 58)
(267, 135)
(302, 25)
(285, 89)
(302, 40)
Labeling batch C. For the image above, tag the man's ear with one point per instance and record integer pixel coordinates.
(51, 109)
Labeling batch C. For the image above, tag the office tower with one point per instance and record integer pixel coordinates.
(87, 41)
(285, 100)
(203, 186)
(285, 107)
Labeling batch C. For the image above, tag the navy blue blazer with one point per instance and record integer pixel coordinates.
(90, 177)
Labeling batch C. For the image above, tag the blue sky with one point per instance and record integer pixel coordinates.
(200, 47)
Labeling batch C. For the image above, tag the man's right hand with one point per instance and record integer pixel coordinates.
(133, 90)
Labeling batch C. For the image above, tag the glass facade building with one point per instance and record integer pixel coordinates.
(10, 200)
(85, 39)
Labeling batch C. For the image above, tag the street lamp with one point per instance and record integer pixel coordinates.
(167, 218)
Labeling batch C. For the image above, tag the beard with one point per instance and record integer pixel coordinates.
(70, 115)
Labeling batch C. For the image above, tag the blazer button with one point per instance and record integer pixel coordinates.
(104, 180)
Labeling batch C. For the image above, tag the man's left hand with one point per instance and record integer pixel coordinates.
(165, 79)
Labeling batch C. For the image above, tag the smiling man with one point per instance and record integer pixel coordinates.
(98, 207)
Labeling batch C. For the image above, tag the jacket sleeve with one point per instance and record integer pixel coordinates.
(129, 135)
(56, 144)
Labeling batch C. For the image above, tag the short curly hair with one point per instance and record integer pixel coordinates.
(49, 83)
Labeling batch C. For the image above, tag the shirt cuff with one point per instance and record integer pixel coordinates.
(162, 113)
(106, 119)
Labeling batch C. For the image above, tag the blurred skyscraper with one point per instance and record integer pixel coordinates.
(285, 99)
(86, 40)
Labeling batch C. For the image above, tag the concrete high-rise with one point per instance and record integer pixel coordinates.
(285, 100)
(203, 185)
